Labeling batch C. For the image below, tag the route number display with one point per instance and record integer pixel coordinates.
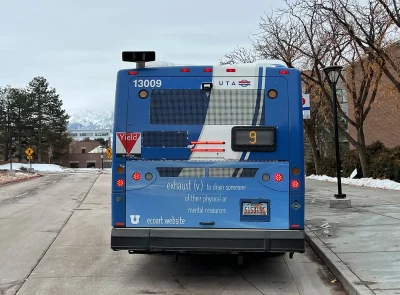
(253, 138)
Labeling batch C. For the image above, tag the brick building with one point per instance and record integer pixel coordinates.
(81, 156)
(383, 121)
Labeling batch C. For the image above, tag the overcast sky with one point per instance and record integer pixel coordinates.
(76, 45)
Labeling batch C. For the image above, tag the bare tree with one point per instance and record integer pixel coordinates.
(392, 8)
(373, 26)
(300, 43)
(239, 55)
(315, 124)
(363, 72)
(306, 37)
(280, 40)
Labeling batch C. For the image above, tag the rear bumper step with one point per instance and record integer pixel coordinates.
(153, 240)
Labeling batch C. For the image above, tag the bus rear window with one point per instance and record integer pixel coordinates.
(195, 107)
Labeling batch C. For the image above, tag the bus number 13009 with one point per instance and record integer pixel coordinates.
(147, 83)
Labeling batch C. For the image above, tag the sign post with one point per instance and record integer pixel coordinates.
(29, 152)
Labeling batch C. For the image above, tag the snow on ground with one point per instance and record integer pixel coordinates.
(49, 168)
(36, 167)
(367, 182)
(85, 169)
(4, 178)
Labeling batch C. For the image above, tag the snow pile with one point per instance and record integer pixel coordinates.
(4, 178)
(36, 167)
(367, 182)
(82, 169)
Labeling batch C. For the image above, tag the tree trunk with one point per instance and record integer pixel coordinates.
(362, 152)
(316, 154)
(39, 156)
(20, 154)
(6, 149)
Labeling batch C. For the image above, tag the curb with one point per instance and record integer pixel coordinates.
(351, 283)
(21, 179)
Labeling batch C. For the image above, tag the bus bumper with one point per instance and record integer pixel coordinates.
(153, 240)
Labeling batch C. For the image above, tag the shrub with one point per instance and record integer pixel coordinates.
(350, 161)
(383, 162)
(310, 168)
(328, 166)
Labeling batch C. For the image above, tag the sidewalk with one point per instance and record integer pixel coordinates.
(361, 245)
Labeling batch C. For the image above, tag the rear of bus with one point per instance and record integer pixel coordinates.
(208, 159)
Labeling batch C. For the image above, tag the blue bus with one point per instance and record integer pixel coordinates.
(207, 159)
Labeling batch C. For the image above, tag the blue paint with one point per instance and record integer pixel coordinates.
(193, 200)
(162, 202)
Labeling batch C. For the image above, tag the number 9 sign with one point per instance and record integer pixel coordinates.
(253, 137)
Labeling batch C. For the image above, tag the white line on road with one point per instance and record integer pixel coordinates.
(22, 195)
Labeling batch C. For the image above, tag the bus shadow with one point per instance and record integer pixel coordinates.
(201, 264)
(202, 273)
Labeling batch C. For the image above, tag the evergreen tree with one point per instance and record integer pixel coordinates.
(57, 140)
(7, 118)
(21, 114)
(3, 122)
(49, 120)
(32, 117)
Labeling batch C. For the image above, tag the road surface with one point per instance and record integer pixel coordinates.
(55, 240)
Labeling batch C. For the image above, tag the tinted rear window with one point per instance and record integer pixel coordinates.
(195, 107)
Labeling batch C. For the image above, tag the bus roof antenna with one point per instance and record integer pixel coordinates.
(139, 57)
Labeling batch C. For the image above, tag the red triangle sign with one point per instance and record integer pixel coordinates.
(128, 140)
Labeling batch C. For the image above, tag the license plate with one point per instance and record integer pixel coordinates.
(251, 209)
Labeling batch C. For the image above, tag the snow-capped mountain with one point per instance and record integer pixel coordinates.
(87, 119)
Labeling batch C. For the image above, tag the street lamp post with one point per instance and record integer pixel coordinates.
(333, 74)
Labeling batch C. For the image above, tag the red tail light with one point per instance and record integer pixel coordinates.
(278, 177)
(132, 73)
(295, 184)
(295, 226)
(120, 224)
(230, 70)
(284, 72)
(208, 150)
(136, 176)
(207, 70)
(185, 70)
(120, 182)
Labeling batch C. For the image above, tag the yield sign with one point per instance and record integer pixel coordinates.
(128, 140)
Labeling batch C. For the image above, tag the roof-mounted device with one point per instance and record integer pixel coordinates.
(139, 57)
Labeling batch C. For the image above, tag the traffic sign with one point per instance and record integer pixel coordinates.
(29, 157)
(109, 151)
(128, 143)
(305, 101)
(29, 151)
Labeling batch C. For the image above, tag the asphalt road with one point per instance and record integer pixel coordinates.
(55, 240)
